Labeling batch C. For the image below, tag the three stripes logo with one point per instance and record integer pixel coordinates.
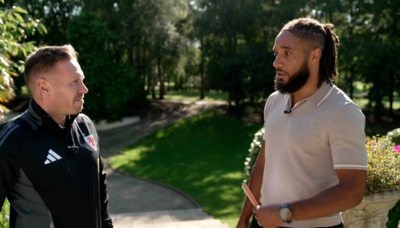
(52, 157)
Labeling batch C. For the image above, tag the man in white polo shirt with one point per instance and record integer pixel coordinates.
(313, 160)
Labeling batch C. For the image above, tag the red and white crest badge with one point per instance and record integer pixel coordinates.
(90, 140)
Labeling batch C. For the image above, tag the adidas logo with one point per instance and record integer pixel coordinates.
(52, 157)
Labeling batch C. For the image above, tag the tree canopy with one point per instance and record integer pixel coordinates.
(226, 45)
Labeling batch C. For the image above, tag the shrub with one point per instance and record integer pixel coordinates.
(254, 150)
(383, 164)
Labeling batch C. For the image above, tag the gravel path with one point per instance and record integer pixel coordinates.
(134, 194)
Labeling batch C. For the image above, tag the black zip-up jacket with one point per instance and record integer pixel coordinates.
(53, 177)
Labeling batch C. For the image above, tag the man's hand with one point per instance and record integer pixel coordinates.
(268, 216)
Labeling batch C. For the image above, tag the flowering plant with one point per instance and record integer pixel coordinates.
(383, 164)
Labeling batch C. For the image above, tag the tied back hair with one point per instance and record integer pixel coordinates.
(321, 36)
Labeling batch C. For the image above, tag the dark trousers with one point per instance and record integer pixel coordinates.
(254, 224)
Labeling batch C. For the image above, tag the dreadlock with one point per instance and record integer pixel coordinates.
(322, 37)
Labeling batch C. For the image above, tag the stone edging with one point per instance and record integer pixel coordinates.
(157, 183)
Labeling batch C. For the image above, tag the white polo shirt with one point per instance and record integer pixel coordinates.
(322, 133)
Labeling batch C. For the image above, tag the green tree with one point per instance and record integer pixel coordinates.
(15, 30)
(236, 40)
(114, 88)
(145, 35)
(55, 14)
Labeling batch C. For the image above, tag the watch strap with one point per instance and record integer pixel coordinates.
(286, 220)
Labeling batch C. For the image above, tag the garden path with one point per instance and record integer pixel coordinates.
(142, 203)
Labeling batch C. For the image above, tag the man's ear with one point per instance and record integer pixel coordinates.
(316, 54)
(43, 85)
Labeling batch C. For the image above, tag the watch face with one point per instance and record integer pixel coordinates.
(285, 214)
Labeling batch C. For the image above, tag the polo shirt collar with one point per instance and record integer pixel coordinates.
(320, 95)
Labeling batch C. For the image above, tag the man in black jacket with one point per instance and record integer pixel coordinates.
(51, 170)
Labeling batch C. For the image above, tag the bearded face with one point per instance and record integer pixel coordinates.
(296, 80)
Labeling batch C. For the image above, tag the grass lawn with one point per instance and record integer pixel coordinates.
(194, 95)
(202, 155)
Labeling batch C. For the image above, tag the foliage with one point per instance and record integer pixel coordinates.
(226, 44)
(55, 14)
(5, 215)
(207, 148)
(146, 35)
(14, 30)
(394, 136)
(254, 150)
(112, 86)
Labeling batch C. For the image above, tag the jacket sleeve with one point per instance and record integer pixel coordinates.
(9, 158)
(105, 216)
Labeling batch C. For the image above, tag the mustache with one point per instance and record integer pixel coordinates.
(279, 69)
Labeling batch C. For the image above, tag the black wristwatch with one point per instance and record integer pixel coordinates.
(286, 213)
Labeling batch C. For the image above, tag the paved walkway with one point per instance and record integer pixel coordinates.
(140, 203)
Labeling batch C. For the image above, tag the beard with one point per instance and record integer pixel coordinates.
(296, 81)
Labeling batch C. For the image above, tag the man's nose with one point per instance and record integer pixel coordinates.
(277, 62)
(83, 89)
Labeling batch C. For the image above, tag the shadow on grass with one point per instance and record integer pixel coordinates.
(202, 155)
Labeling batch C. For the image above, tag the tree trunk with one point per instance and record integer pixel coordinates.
(202, 69)
(391, 91)
(152, 82)
(351, 81)
(149, 79)
(230, 100)
(130, 51)
(161, 78)
(392, 71)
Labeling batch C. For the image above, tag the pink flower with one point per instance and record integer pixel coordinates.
(396, 149)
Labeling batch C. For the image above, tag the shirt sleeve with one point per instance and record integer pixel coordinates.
(9, 159)
(347, 138)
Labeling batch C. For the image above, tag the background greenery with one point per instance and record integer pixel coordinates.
(220, 45)
(115, 88)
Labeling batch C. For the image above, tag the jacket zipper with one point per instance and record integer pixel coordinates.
(74, 149)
